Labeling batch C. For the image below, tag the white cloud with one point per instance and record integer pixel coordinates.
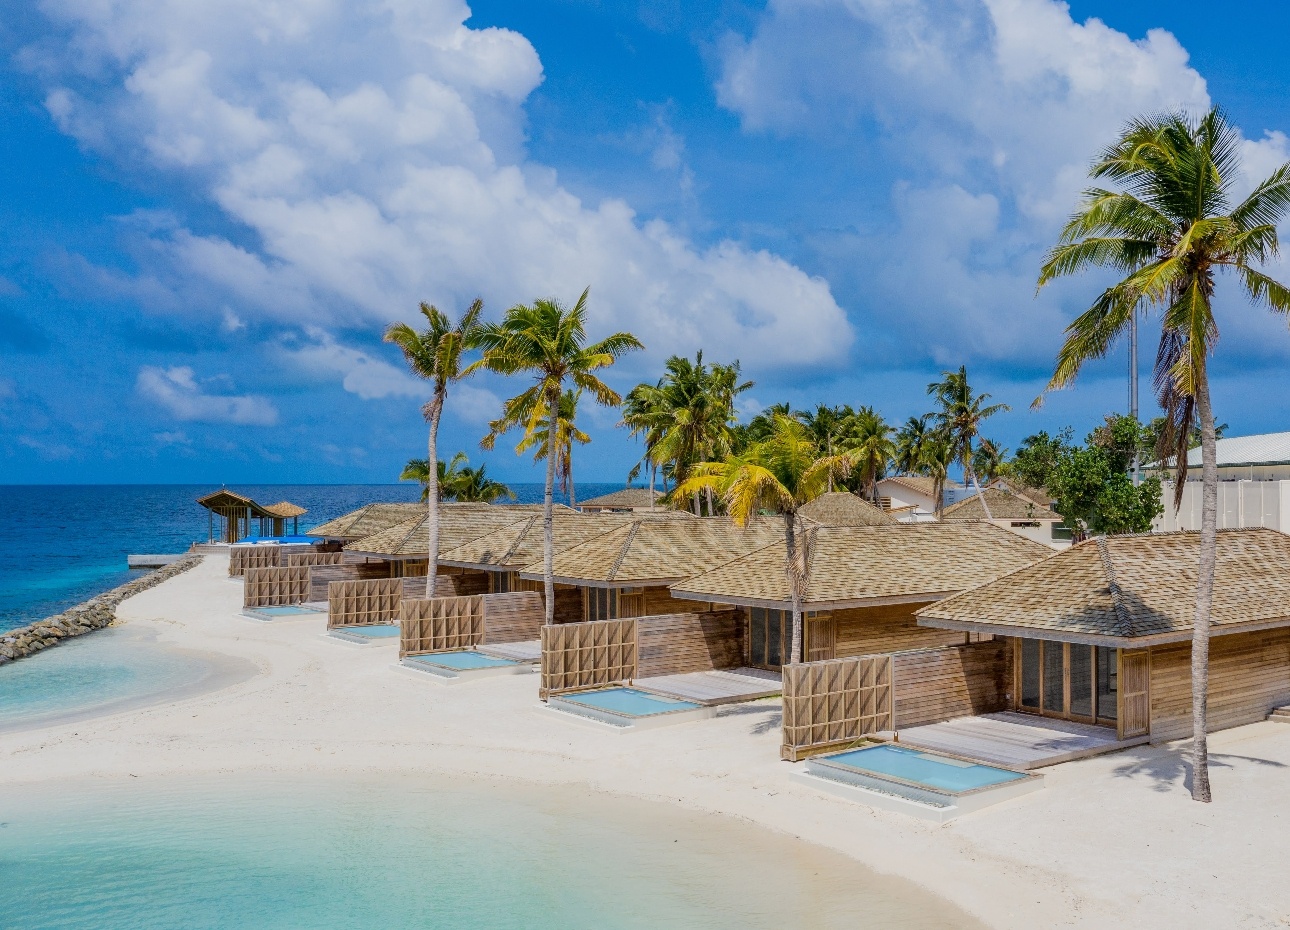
(389, 169)
(369, 378)
(176, 389)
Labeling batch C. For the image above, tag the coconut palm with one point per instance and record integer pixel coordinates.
(934, 460)
(1168, 226)
(777, 475)
(909, 444)
(868, 439)
(645, 414)
(959, 420)
(549, 342)
(436, 354)
(473, 485)
(448, 473)
(827, 425)
(988, 459)
(568, 433)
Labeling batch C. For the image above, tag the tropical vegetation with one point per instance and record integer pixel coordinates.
(457, 481)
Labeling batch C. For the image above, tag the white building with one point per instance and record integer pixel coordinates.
(1253, 486)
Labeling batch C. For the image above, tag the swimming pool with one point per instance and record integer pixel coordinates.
(460, 661)
(286, 610)
(366, 633)
(945, 785)
(627, 707)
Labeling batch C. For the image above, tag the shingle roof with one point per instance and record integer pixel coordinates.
(1003, 506)
(1263, 449)
(366, 520)
(458, 525)
(627, 498)
(905, 562)
(842, 508)
(1140, 587)
(1013, 486)
(224, 499)
(520, 544)
(920, 484)
(659, 551)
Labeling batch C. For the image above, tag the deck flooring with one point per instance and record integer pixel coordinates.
(723, 686)
(529, 650)
(1016, 741)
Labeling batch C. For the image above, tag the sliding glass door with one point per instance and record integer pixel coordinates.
(1067, 680)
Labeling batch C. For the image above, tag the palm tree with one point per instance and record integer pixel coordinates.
(909, 444)
(645, 414)
(868, 439)
(449, 473)
(988, 460)
(436, 354)
(827, 425)
(1168, 228)
(960, 419)
(550, 343)
(934, 461)
(778, 475)
(538, 440)
(474, 485)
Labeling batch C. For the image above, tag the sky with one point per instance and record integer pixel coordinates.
(210, 211)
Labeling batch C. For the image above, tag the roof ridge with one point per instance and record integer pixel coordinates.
(515, 543)
(622, 553)
(1117, 596)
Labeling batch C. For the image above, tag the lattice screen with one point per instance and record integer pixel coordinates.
(315, 558)
(584, 655)
(362, 603)
(834, 701)
(440, 624)
(276, 587)
(240, 558)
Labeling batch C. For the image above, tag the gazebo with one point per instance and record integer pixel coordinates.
(237, 511)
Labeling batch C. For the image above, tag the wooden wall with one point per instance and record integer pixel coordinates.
(659, 600)
(576, 656)
(360, 603)
(1249, 675)
(568, 604)
(833, 702)
(321, 576)
(440, 624)
(673, 644)
(932, 685)
(871, 630)
(315, 558)
(513, 618)
(466, 581)
(275, 587)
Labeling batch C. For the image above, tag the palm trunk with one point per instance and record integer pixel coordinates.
(548, 539)
(1200, 790)
(651, 486)
(573, 497)
(938, 488)
(432, 496)
(792, 570)
(971, 475)
(694, 502)
(712, 505)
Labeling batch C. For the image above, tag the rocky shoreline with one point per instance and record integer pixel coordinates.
(86, 617)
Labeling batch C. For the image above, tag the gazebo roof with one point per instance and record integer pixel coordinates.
(224, 500)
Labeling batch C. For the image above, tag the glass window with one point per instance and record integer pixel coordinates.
(774, 628)
(1030, 673)
(1054, 681)
(1081, 665)
(1107, 683)
(757, 636)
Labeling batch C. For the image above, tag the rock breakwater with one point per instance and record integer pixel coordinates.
(86, 617)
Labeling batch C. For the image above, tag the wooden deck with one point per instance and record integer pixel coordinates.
(528, 650)
(1016, 741)
(723, 686)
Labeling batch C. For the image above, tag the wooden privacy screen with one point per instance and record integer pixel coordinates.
(834, 702)
(275, 587)
(513, 618)
(315, 558)
(938, 684)
(240, 558)
(585, 655)
(1135, 693)
(446, 624)
(362, 603)
(673, 644)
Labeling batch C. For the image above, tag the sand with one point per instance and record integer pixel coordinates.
(1113, 841)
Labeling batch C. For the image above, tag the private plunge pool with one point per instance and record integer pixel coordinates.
(280, 613)
(465, 665)
(368, 633)
(916, 781)
(628, 708)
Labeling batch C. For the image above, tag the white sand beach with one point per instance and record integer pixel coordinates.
(1113, 841)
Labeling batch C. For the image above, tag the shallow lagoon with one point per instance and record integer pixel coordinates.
(278, 852)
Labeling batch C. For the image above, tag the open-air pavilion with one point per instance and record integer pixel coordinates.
(233, 517)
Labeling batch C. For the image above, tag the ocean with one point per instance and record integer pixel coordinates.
(67, 543)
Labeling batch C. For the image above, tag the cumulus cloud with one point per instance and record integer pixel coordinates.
(370, 378)
(176, 389)
(389, 170)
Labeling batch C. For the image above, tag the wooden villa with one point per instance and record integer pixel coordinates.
(366, 520)
(1101, 632)
(627, 500)
(234, 517)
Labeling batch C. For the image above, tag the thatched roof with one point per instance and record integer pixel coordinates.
(626, 499)
(648, 550)
(286, 510)
(225, 500)
(516, 546)
(1137, 588)
(842, 508)
(1003, 506)
(458, 525)
(859, 566)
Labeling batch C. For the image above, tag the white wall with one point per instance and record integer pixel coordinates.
(1043, 533)
(1240, 504)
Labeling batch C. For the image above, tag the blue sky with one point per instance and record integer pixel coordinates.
(211, 210)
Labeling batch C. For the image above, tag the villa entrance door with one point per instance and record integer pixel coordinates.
(1067, 680)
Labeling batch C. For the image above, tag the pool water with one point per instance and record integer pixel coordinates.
(290, 610)
(102, 672)
(413, 853)
(374, 630)
(460, 661)
(931, 770)
(628, 702)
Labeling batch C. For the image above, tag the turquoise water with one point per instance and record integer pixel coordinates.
(286, 611)
(627, 701)
(66, 543)
(460, 660)
(373, 630)
(290, 853)
(923, 768)
(100, 672)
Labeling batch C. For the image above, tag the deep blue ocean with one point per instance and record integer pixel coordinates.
(66, 543)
